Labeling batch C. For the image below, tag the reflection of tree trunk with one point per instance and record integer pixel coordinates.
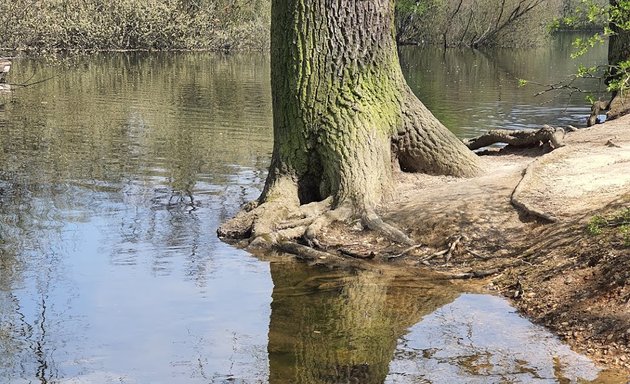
(336, 328)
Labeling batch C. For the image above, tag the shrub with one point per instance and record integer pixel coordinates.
(134, 24)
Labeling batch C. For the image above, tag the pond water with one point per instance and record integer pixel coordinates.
(114, 176)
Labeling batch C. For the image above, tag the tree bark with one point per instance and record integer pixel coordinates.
(520, 139)
(618, 51)
(343, 113)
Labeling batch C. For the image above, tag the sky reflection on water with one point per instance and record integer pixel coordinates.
(113, 180)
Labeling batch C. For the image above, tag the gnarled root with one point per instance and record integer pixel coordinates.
(294, 229)
(372, 221)
(521, 204)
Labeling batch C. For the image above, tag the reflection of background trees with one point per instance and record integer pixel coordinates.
(149, 146)
(475, 90)
(337, 328)
(155, 135)
(24, 322)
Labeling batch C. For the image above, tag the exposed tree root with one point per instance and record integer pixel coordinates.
(519, 203)
(372, 221)
(314, 256)
(619, 106)
(286, 228)
(547, 135)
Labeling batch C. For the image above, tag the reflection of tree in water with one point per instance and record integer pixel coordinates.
(28, 268)
(142, 149)
(150, 140)
(335, 328)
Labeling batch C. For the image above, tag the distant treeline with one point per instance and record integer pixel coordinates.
(476, 23)
(67, 25)
(43, 25)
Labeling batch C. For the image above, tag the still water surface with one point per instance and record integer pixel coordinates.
(114, 176)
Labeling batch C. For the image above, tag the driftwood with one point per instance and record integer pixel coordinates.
(521, 139)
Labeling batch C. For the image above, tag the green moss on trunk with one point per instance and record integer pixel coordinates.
(340, 101)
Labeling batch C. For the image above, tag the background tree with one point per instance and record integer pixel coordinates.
(474, 23)
(343, 115)
(614, 20)
(619, 58)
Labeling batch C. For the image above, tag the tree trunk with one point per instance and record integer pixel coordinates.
(618, 51)
(343, 113)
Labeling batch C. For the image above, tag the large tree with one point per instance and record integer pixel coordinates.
(619, 57)
(344, 122)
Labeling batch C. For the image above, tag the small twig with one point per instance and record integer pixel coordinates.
(357, 255)
(482, 257)
(451, 248)
(425, 260)
(439, 253)
(405, 251)
(25, 85)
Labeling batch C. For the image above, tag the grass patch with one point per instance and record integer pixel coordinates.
(617, 222)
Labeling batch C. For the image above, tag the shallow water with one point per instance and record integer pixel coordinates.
(474, 91)
(114, 176)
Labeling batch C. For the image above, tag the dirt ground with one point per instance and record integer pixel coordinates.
(523, 229)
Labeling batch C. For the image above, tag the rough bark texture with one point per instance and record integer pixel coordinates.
(618, 51)
(343, 112)
(522, 138)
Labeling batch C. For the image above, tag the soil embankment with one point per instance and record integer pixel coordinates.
(559, 247)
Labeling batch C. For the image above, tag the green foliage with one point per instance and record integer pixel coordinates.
(583, 45)
(619, 220)
(614, 20)
(596, 224)
(409, 18)
(414, 7)
(133, 24)
(581, 15)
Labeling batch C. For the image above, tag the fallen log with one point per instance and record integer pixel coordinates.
(547, 135)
